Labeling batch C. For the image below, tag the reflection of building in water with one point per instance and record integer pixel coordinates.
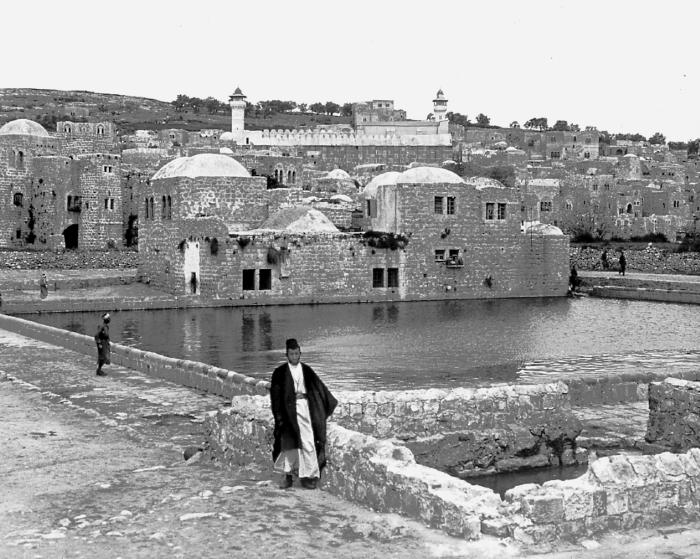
(192, 338)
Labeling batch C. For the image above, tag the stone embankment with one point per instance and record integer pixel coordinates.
(68, 260)
(650, 260)
(674, 414)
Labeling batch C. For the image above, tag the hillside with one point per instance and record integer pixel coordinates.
(46, 106)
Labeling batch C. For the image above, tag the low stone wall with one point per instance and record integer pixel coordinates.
(187, 373)
(617, 493)
(374, 473)
(674, 414)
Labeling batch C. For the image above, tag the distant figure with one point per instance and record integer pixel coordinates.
(604, 259)
(301, 404)
(574, 280)
(43, 287)
(623, 263)
(103, 346)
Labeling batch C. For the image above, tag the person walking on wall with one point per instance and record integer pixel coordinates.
(43, 287)
(103, 346)
(623, 263)
(301, 404)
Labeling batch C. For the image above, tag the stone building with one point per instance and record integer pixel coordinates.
(212, 230)
(54, 194)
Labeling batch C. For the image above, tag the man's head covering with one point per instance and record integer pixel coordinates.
(292, 344)
(105, 316)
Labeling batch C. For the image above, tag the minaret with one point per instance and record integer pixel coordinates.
(440, 106)
(237, 102)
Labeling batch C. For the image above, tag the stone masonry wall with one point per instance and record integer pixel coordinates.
(674, 414)
(101, 214)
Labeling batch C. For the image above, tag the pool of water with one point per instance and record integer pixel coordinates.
(421, 344)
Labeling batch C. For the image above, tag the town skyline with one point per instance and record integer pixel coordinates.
(623, 67)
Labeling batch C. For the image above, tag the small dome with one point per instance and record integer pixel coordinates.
(390, 177)
(299, 219)
(225, 150)
(23, 127)
(202, 165)
(544, 229)
(630, 155)
(226, 137)
(341, 197)
(338, 174)
(429, 175)
(480, 183)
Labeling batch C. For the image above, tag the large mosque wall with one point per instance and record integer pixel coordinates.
(327, 158)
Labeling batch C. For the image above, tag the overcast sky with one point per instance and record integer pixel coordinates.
(622, 66)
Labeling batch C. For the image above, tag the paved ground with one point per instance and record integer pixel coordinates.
(93, 467)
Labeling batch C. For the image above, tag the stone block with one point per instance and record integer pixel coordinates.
(544, 509)
(641, 497)
(669, 466)
(499, 527)
(616, 501)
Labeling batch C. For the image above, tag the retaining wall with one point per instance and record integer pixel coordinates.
(674, 414)
(187, 373)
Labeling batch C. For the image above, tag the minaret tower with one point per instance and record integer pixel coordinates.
(237, 102)
(440, 106)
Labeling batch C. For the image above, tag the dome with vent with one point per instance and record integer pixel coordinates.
(23, 127)
(390, 177)
(202, 165)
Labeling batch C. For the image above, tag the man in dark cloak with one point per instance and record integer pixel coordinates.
(301, 404)
(103, 345)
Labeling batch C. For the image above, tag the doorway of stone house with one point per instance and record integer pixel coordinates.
(70, 236)
(191, 268)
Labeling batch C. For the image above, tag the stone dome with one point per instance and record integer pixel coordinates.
(202, 165)
(226, 137)
(23, 127)
(299, 219)
(429, 175)
(544, 229)
(390, 177)
(484, 182)
(338, 174)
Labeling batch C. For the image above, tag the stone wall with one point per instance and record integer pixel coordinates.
(674, 414)
(361, 469)
(327, 158)
(653, 261)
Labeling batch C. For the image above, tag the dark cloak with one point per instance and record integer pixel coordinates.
(103, 346)
(284, 409)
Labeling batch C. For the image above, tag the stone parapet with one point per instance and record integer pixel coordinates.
(362, 469)
(674, 414)
(617, 493)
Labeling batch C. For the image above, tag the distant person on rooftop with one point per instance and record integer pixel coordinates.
(103, 345)
(301, 404)
(43, 287)
(623, 263)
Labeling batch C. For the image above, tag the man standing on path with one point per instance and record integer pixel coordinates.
(103, 347)
(43, 287)
(301, 404)
(623, 262)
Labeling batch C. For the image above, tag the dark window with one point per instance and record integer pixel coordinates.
(377, 277)
(265, 279)
(169, 213)
(545, 206)
(248, 280)
(490, 206)
(438, 205)
(371, 208)
(17, 199)
(111, 203)
(439, 255)
(451, 204)
(501, 211)
(163, 209)
(392, 278)
(106, 203)
(146, 207)
(150, 208)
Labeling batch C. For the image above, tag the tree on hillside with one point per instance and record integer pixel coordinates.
(458, 118)
(561, 126)
(181, 102)
(574, 127)
(303, 107)
(694, 147)
(317, 108)
(346, 109)
(212, 105)
(514, 124)
(482, 119)
(677, 146)
(636, 137)
(658, 139)
(332, 108)
(538, 122)
(196, 104)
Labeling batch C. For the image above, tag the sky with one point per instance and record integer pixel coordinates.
(619, 65)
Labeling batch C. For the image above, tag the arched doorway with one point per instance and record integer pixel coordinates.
(70, 236)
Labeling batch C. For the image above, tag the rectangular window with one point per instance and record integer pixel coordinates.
(490, 206)
(265, 279)
(392, 278)
(111, 203)
(146, 205)
(451, 205)
(438, 205)
(248, 280)
(377, 277)
(106, 203)
(107, 169)
(371, 208)
(545, 206)
(440, 255)
(501, 211)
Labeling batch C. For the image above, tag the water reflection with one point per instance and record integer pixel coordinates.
(437, 343)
